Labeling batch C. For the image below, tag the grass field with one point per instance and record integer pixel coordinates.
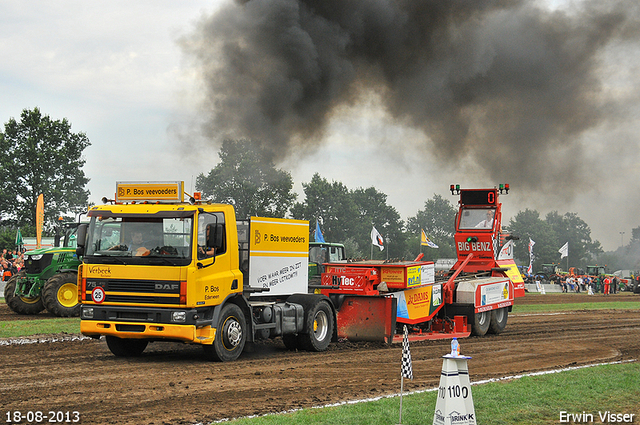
(548, 308)
(531, 400)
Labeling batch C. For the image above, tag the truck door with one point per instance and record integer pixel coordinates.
(214, 275)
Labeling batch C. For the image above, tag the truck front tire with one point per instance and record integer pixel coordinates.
(18, 304)
(121, 347)
(231, 335)
(60, 295)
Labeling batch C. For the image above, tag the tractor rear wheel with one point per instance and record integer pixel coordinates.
(121, 347)
(19, 304)
(498, 320)
(480, 323)
(60, 295)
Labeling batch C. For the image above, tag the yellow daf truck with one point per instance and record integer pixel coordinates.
(159, 268)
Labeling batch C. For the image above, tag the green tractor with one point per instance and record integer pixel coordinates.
(48, 280)
(319, 253)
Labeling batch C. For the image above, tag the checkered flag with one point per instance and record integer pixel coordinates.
(407, 370)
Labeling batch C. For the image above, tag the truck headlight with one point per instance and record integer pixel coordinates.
(87, 313)
(179, 316)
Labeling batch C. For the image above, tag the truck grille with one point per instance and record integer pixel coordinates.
(136, 291)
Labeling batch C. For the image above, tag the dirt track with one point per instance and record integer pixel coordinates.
(173, 384)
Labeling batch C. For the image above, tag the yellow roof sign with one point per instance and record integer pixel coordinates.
(150, 191)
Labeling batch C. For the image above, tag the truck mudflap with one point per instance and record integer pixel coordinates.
(367, 318)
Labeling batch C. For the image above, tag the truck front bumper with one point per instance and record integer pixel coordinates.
(149, 323)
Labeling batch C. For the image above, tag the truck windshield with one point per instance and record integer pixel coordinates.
(140, 237)
(477, 218)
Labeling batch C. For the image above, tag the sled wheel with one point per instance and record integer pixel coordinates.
(230, 337)
(60, 295)
(121, 347)
(498, 320)
(19, 304)
(480, 323)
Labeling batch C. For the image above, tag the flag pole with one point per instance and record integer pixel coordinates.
(401, 391)
(406, 368)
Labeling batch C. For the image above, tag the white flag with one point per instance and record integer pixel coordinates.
(531, 244)
(376, 239)
(564, 251)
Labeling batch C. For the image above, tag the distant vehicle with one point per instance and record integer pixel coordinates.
(324, 252)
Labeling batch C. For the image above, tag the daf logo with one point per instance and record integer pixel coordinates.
(164, 286)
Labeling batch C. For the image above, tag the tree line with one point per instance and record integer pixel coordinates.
(42, 155)
(247, 178)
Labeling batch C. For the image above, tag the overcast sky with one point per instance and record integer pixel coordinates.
(119, 72)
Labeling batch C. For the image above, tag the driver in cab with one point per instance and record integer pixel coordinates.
(205, 251)
(487, 223)
(136, 246)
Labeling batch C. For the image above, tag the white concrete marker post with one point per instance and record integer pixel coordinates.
(455, 403)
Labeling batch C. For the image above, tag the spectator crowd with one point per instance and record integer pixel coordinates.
(12, 262)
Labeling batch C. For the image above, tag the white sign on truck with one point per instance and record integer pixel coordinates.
(279, 255)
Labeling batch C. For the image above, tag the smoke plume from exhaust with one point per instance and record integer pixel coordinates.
(510, 84)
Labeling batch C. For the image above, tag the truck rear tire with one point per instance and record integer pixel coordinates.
(231, 335)
(318, 327)
(480, 323)
(121, 347)
(18, 304)
(60, 295)
(498, 320)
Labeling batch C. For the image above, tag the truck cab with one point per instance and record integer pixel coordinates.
(158, 268)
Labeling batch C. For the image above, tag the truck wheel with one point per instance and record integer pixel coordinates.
(498, 320)
(318, 327)
(230, 337)
(480, 323)
(121, 347)
(18, 304)
(60, 295)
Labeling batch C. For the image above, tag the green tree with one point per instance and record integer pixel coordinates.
(437, 219)
(247, 178)
(7, 238)
(550, 235)
(527, 225)
(41, 155)
(571, 228)
(373, 210)
(347, 216)
(331, 205)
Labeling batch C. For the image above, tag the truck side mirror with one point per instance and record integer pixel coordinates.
(81, 239)
(215, 231)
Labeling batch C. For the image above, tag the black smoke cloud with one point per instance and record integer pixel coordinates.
(508, 84)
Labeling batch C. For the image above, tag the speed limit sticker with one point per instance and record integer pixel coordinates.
(98, 294)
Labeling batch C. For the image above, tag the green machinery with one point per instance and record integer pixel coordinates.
(48, 280)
